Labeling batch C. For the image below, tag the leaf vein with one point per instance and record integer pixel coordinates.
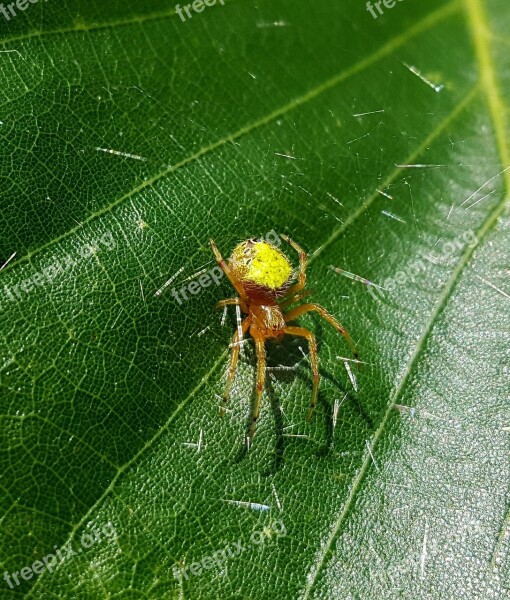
(385, 50)
(442, 302)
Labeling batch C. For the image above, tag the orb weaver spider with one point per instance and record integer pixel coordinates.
(262, 275)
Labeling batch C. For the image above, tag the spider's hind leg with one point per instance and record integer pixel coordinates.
(228, 272)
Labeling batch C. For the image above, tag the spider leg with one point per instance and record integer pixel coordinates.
(226, 269)
(314, 362)
(232, 301)
(227, 302)
(302, 266)
(261, 379)
(236, 347)
(304, 308)
(288, 301)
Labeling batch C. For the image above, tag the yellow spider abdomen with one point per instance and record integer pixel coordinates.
(261, 263)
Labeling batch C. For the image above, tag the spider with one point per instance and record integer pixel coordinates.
(262, 276)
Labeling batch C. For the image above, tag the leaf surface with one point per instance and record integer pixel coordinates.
(129, 138)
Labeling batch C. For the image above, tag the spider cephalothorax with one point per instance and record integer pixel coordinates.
(262, 275)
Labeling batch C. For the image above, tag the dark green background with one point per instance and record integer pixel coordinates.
(103, 385)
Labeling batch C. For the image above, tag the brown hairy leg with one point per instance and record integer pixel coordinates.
(304, 308)
(232, 301)
(236, 347)
(261, 379)
(314, 362)
(226, 269)
(302, 266)
(299, 296)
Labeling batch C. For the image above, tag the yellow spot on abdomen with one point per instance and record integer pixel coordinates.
(261, 263)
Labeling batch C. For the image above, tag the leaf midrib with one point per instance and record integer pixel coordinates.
(480, 30)
(478, 26)
(446, 294)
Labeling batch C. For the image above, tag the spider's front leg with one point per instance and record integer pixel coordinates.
(304, 308)
(236, 347)
(288, 301)
(232, 302)
(227, 302)
(261, 380)
(314, 362)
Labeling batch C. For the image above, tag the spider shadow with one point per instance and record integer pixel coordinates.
(287, 359)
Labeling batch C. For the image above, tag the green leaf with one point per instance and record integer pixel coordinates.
(129, 138)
